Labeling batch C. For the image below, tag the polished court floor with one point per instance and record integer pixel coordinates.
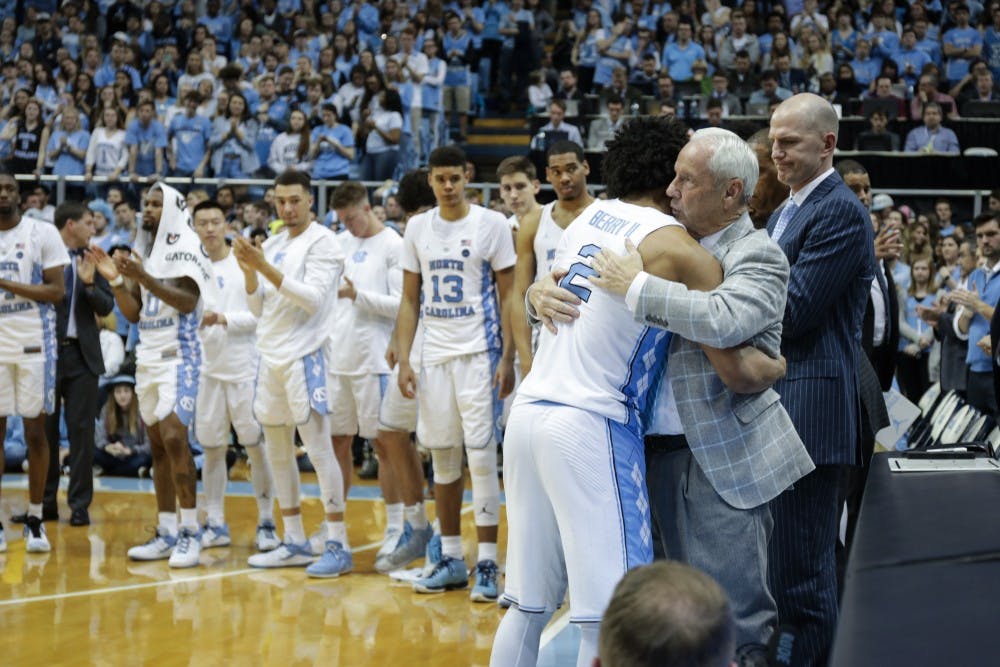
(85, 603)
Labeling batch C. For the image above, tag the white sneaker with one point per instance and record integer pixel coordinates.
(286, 555)
(267, 536)
(3, 540)
(215, 536)
(187, 549)
(159, 547)
(35, 539)
(392, 536)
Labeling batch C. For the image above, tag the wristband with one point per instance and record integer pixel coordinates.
(117, 282)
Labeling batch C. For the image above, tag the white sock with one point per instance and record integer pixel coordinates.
(263, 482)
(189, 518)
(394, 517)
(337, 531)
(168, 523)
(35, 510)
(518, 639)
(451, 546)
(315, 434)
(294, 532)
(588, 644)
(416, 515)
(487, 551)
(214, 477)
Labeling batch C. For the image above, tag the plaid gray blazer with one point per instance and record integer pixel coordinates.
(745, 443)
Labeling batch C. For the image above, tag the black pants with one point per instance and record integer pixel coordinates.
(76, 393)
(980, 393)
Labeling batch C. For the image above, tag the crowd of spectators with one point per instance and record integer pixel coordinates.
(240, 88)
(710, 61)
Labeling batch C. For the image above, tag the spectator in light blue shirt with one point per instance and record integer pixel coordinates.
(680, 55)
(866, 68)
(885, 41)
(188, 136)
(331, 146)
(146, 139)
(219, 25)
(961, 45)
(910, 59)
(366, 21)
(931, 137)
(67, 147)
(927, 41)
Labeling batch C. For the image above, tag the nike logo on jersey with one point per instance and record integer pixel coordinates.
(359, 256)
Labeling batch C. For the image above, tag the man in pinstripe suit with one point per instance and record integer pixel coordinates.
(827, 236)
(720, 456)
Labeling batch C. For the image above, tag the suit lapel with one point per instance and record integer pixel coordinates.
(733, 233)
(792, 228)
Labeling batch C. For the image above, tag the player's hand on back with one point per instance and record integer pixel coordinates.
(553, 303)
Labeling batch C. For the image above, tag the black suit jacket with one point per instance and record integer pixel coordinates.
(995, 342)
(883, 358)
(90, 301)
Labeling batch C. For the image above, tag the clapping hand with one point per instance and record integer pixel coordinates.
(102, 262)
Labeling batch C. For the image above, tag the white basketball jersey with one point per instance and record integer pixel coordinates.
(27, 326)
(456, 261)
(604, 362)
(165, 334)
(313, 261)
(230, 351)
(362, 327)
(547, 238)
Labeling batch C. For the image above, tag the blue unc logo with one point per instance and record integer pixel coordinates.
(360, 256)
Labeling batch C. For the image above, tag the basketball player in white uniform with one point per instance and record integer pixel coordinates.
(168, 357)
(32, 259)
(456, 258)
(292, 286)
(574, 468)
(400, 471)
(366, 313)
(539, 234)
(226, 387)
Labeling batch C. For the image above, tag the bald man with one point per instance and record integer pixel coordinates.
(827, 236)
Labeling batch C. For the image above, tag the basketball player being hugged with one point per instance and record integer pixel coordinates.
(457, 257)
(226, 387)
(292, 286)
(161, 286)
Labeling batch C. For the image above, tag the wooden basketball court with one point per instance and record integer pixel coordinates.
(85, 603)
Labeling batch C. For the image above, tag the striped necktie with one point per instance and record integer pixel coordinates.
(791, 208)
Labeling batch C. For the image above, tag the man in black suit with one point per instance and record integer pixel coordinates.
(80, 363)
(879, 341)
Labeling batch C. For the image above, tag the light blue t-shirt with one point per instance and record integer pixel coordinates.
(329, 162)
(149, 140)
(963, 38)
(680, 60)
(68, 164)
(191, 137)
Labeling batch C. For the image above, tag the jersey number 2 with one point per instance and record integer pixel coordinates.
(580, 269)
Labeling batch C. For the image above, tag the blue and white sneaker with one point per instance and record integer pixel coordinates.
(433, 554)
(449, 574)
(3, 540)
(187, 550)
(267, 536)
(213, 535)
(335, 561)
(158, 548)
(412, 545)
(286, 555)
(485, 576)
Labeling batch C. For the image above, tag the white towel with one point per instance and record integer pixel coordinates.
(176, 251)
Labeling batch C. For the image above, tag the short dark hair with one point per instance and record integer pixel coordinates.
(848, 167)
(349, 193)
(123, 202)
(258, 232)
(517, 164)
(640, 158)
(69, 210)
(667, 614)
(986, 218)
(564, 146)
(294, 177)
(206, 205)
(446, 156)
(414, 193)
